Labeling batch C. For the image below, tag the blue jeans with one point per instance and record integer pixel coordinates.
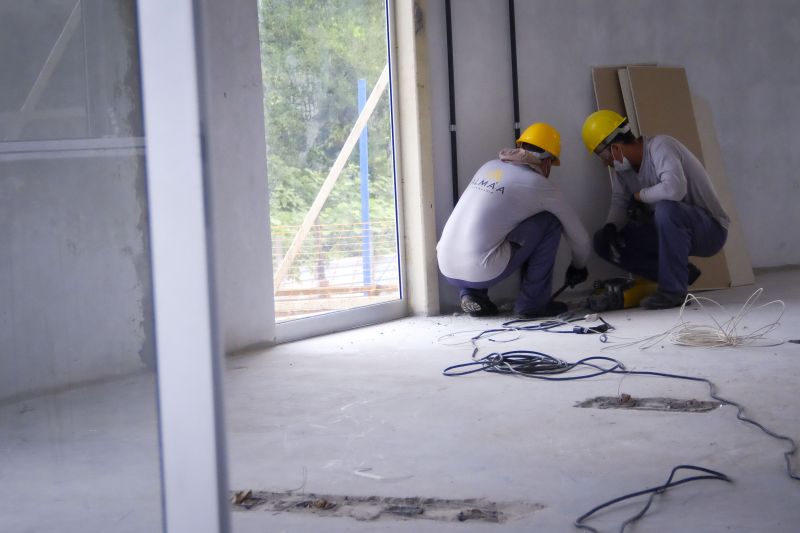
(534, 245)
(658, 244)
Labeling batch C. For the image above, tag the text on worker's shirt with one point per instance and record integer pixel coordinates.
(489, 183)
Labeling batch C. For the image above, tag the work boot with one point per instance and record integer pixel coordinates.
(663, 300)
(553, 308)
(475, 305)
(694, 273)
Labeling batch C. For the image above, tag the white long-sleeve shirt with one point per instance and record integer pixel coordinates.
(669, 171)
(474, 245)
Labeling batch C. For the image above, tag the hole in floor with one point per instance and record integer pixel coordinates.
(375, 507)
(626, 401)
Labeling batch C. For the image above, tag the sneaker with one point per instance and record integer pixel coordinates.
(553, 308)
(694, 273)
(477, 306)
(663, 300)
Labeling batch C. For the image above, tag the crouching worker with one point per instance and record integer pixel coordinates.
(663, 207)
(511, 218)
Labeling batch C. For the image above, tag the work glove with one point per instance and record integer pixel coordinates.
(614, 241)
(575, 276)
(637, 211)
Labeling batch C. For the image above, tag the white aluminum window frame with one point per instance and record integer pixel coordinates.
(332, 322)
(189, 358)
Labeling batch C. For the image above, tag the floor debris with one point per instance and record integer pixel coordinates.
(626, 401)
(364, 508)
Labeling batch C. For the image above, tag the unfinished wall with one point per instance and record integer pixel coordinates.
(739, 56)
(74, 270)
(74, 252)
(483, 95)
(237, 157)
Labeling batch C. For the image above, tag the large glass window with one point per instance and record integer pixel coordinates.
(330, 155)
(78, 417)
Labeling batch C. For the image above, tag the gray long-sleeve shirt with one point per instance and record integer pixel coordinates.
(474, 245)
(669, 171)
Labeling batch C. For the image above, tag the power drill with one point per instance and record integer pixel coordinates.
(620, 293)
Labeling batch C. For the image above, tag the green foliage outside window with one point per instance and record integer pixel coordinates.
(313, 53)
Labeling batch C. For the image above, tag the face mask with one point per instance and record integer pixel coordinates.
(624, 166)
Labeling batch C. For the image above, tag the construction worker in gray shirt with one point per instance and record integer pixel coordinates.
(663, 207)
(510, 218)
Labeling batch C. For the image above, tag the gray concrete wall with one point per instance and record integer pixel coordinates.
(237, 154)
(74, 270)
(74, 253)
(74, 274)
(740, 55)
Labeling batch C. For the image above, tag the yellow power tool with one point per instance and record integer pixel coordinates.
(620, 293)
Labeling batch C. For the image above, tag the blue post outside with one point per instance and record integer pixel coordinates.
(363, 162)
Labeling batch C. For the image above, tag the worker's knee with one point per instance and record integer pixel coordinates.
(548, 221)
(667, 213)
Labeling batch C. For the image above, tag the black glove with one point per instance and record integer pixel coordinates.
(637, 211)
(614, 241)
(575, 276)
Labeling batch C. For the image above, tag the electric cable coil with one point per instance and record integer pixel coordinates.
(538, 365)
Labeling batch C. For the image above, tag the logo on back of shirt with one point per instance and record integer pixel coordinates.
(490, 182)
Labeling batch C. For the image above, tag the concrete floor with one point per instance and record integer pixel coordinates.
(313, 416)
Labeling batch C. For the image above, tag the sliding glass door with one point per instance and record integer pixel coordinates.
(330, 160)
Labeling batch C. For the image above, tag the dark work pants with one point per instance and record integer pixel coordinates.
(657, 246)
(534, 245)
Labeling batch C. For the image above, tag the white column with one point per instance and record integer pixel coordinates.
(190, 411)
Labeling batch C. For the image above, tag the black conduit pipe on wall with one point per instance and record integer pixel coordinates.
(512, 24)
(451, 83)
(451, 86)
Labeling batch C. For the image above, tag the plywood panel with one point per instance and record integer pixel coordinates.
(739, 266)
(627, 98)
(607, 92)
(664, 104)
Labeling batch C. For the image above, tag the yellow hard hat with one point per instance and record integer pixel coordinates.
(598, 126)
(543, 136)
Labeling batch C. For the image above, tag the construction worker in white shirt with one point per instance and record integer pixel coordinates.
(663, 207)
(510, 218)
